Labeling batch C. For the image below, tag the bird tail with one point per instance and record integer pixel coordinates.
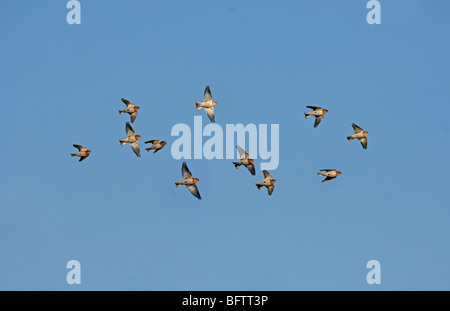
(121, 111)
(198, 105)
(177, 184)
(122, 142)
(72, 154)
(236, 165)
(307, 115)
(349, 138)
(148, 149)
(320, 174)
(259, 186)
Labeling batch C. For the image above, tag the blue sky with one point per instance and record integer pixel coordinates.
(121, 216)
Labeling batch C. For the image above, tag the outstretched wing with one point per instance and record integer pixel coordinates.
(207, 95)
(133, 116)
(318, 120)
(127, 102)
(327, 170)
(82, 158)
(313, 107)
(210, 113)
(357, 128)
(136, 149)
(80, 148)
(242, 153)
(328, 179)
(270, 189)
(251, 168)
(185, 172)
(267, 175)
(129, 130)
(194, 190)
(364, 142)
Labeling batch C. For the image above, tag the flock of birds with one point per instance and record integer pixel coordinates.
(208, 105)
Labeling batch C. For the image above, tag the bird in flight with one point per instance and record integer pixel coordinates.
(156, 145)
(317, 112)
(189, 181)
(329, 174)
(267, 182)
(131, 109)
(207, 103)
(131, 139)
(83, 152)
(360, 134)
(245, 160)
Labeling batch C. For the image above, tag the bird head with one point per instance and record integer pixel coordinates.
(251, 160)
(163, 143)
(338, 173)
(88, 151)
(137, 107)
(196, 179)
(214, 103)
(325, 111)
(365, 133)
(138, 136)
(273, 180)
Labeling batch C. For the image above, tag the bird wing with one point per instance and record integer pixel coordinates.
(129, 130)
(318, 120)
(185, 172)
(270, 189)
(242, 153)
(136, 149)
(82, 158)
(127, 102)
(328, 179)
(80, 148)
(251, 168)
(313, 107)
(207, 95)
(327, 170)
(267, 175)
(357, 128)
(364, 142)
(194, 190)
(210, 113)
(152, 141)
(133, 116)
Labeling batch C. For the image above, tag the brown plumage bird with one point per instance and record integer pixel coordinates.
(317, 112)
(268, 182)
(156, 145)
(245, 160)
(360, 134)
(131, 109)
(189, 181)
(329, 174)
(83, 152)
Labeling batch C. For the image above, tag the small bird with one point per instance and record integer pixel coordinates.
(329, 174)
(360, 134)
(156, 145)
(267, 182)
(245, 160)
(208, 104)
(189, 181)
(131, 109)
(131, 139)
(83, 152)
(317, 112)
